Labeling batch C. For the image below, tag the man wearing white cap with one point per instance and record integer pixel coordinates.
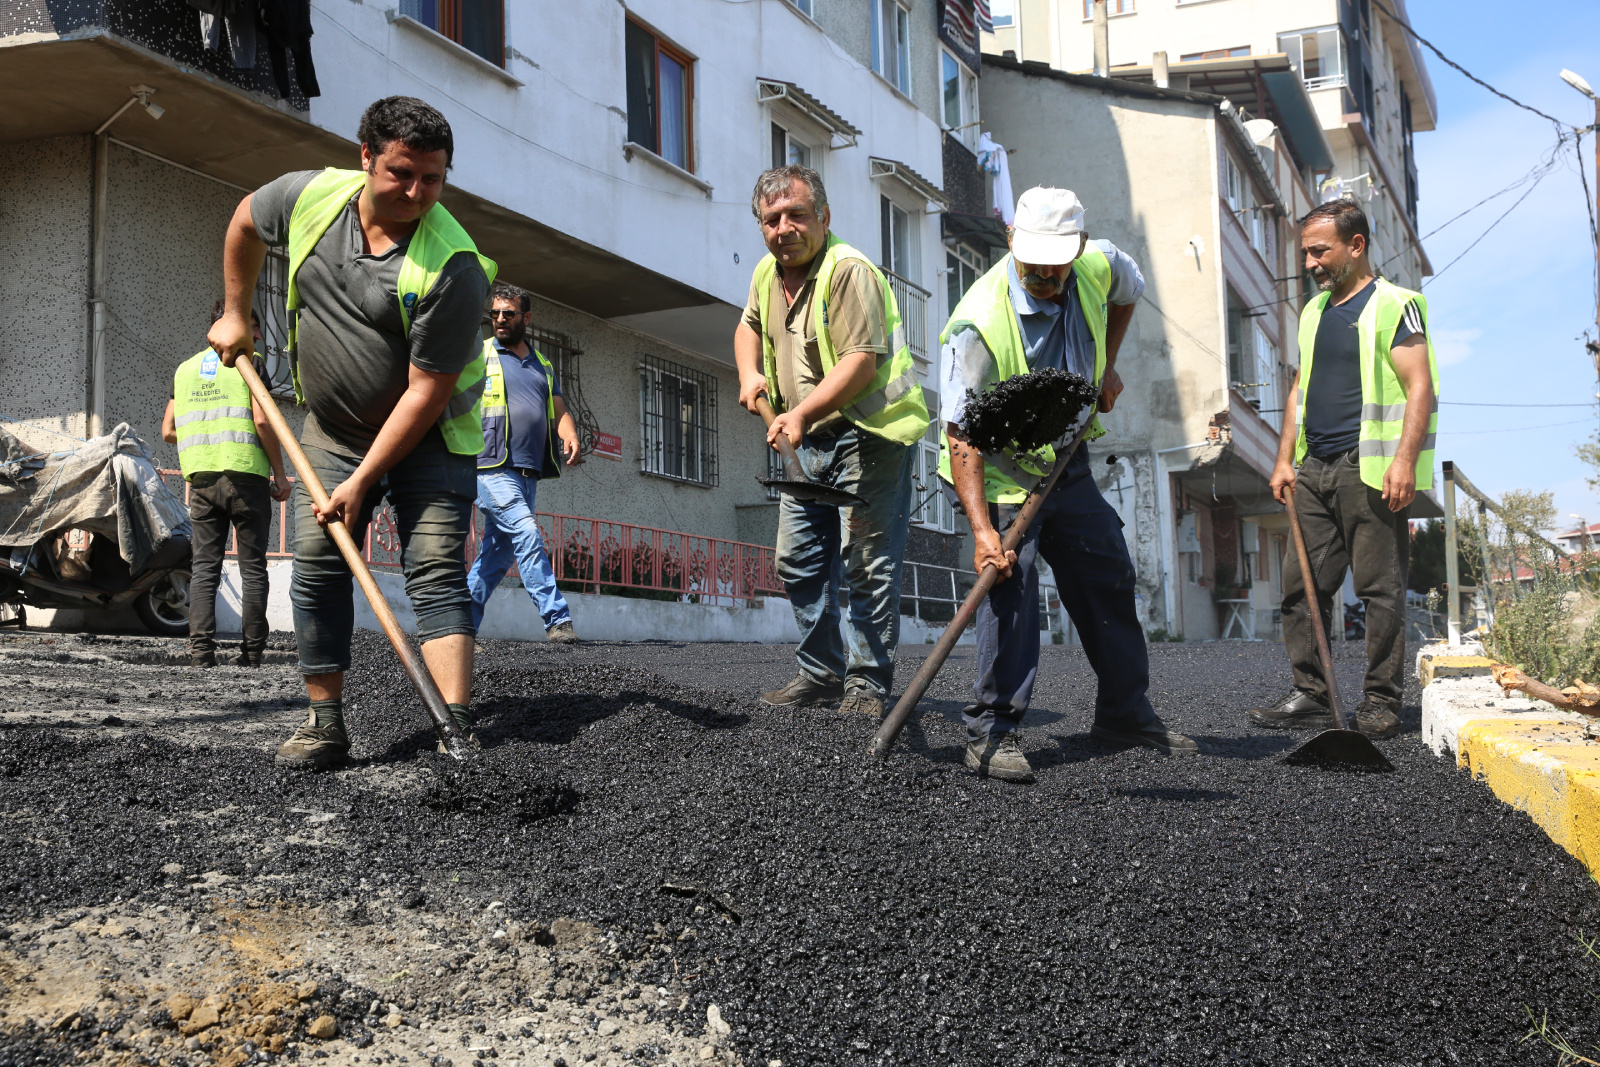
(1059, 300)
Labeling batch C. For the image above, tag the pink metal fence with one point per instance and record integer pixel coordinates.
(595, 555)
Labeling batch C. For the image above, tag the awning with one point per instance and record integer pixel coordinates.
(1297, 119)
(890, 168)
(769, 90)
(980, 229)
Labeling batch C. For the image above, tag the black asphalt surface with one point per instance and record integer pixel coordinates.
(1126, 909)
(1026, 412)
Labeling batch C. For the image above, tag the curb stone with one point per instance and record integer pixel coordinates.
(1534, 757)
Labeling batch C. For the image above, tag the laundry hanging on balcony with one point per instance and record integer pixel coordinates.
(992, 158)
(286, 25)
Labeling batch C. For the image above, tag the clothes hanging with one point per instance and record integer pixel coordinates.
(992, 158)
(287, 25)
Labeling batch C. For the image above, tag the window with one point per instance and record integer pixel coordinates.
(901, 244)
(962, 267)
(960, 100)
(1233, 183)
(1113, 7)
(272, 287)
(563, 355)
(1266, 395)
(891, 43)
(775, 469)
(677, 422)
(788, 150)
(1319, 56)
(1217, 53)
(1000, 13)
(660, 97)
(479, 26)
(932, 508)
(804, 7)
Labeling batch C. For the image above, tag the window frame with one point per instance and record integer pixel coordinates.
(662, 46)
(965, 129)
(1322, 80)
(447, 23)
(932, 510)
(1237, 52)
(1121, 7)
(653, 422)
(792, 137)
(901, 80)
(960, 256)
(887, 207)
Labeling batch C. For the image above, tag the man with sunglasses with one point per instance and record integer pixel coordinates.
(523, 417)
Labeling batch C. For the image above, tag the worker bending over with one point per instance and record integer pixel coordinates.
(821, 338)
(230, 456)
(1062, 301)
(386, 293)
(1359, 423)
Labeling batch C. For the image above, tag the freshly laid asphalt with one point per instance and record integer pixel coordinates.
(1126, 909)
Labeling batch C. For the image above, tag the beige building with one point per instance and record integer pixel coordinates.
(1362, 76)
(1203, 198)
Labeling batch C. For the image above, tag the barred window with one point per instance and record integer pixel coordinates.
(775, 469)
(563, 355)
(678, 422)
(272, 288)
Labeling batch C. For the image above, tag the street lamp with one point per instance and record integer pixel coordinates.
(1583, 87)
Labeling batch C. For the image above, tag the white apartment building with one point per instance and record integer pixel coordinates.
(1364, 77)
(605, 155)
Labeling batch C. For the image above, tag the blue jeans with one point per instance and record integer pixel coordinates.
(821, 547)
(510, 532)
(431, 492)
(1080, 536)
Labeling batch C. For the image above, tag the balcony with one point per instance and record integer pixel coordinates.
(912, 299)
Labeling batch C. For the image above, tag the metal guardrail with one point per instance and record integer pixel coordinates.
(932, 593)
(591, 555)
(912, 300)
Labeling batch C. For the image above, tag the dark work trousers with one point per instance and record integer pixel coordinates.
(1080, 536)
(1348, 525)
(219, 502)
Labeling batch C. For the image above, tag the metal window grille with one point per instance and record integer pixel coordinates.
(563, 356)
(272, 291)
(678, 422)
(774, 470)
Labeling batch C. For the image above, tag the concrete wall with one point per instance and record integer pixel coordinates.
(44, 303)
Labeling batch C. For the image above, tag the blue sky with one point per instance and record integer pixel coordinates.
(1508, 319)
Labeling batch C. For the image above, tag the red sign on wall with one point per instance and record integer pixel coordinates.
(608, 445)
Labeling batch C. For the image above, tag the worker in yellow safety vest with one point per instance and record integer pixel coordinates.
(1359, 425)
(821, 338)
(230, 457)
(386, 293)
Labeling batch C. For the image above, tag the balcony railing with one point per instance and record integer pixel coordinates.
(591, 556)
(912, 300)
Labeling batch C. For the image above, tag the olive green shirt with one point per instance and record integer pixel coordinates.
(856, 323)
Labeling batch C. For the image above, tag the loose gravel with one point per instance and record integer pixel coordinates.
(750, 889)
(1026, 412)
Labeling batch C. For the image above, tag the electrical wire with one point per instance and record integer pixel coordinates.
(1489, 404)
(1440, 272)
(1515, 429)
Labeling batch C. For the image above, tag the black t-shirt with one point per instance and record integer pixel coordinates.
(1333, 395)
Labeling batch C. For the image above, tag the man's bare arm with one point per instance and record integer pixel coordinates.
(418, 409)
(747, 357)
(567, 432)
(1410, 361)
(966, 472)
(1117, 318)
(272, 447)
(169, 423)
(243, 252)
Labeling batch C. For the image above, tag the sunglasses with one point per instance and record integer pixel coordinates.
(498, 315)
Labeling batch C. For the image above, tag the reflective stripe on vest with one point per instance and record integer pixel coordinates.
(438, 237)
(1383, 396)
(497, 415)
(892, 405)
(987, 308)
(216, 428)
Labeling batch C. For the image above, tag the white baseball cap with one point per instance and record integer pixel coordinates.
(1048, 229)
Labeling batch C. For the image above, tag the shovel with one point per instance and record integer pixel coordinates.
(1340, 748)
(416, 670)
(895, 721)
(794, 482)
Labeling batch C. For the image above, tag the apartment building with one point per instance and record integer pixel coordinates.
(605, 154)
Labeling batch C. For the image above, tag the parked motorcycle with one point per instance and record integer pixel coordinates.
(1355, 622)
(95, 527)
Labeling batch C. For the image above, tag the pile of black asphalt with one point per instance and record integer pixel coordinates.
(1026, 412)
(1126, 909)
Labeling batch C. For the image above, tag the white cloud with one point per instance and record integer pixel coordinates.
(1454, 346)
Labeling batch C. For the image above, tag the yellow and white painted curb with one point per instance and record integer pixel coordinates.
(1534, 757)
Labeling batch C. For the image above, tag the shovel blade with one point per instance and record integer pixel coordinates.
(812, 491)
(1339, 750)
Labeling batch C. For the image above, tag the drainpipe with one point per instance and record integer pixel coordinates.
(1158, 70)
(95, 401)
(1102, 41)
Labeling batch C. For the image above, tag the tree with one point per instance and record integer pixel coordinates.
(1589, 453)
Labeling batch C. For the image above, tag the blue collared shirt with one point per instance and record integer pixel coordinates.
(1053, 334)
(527, 405)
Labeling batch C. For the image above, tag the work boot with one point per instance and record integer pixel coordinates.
(859, 700)
(314, 748)
(1376, 720)
(461, 715)
(999, 756)
(202, 659)
(1296, 711)
(248, 659)
(1156, 736)
(561, 633)
(803, 690)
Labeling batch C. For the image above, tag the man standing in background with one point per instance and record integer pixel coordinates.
(225, 449)
(523, 417)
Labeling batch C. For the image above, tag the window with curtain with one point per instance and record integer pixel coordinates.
(891, 43)
(476, 25)
(660, 96)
